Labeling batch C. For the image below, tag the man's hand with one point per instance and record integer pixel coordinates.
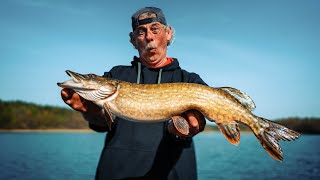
(77, 103)
(90, 111)
(196, 123)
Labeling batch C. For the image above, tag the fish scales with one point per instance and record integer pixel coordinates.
(225, 106)
(154, 102)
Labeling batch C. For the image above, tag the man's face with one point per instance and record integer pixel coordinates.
(151, 40)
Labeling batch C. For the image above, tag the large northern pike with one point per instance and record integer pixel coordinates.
(161, 102)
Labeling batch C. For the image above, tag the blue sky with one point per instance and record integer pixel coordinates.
(269, 49)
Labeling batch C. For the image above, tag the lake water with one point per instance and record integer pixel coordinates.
(32, 156)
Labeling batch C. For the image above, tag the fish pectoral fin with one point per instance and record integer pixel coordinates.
(241, 96)
(231, 132)
(108, 115)
(181, 124)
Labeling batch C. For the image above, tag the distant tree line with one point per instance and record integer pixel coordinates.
(301, 125)
(23, 115)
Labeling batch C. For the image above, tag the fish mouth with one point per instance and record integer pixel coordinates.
(75, 76)
(76, 82)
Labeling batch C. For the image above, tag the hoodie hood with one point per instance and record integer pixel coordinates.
(169, 67)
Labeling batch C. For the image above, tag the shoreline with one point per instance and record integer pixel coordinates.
(67, 131)
(63, 131)
(46, 131)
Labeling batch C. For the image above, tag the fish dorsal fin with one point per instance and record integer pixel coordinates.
(231, 132)
(242, 97)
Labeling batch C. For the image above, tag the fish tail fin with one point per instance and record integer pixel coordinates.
(271, 133)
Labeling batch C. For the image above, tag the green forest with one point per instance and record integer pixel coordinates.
(23, 115)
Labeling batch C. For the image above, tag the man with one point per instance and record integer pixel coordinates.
(137, 150)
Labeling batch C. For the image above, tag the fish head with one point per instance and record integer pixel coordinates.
(90, 86)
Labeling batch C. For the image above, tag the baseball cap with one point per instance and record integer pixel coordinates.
(157, 11)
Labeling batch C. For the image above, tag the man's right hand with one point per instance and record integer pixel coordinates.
(78, 103)
(90, 111)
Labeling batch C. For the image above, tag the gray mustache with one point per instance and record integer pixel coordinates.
(151, 45)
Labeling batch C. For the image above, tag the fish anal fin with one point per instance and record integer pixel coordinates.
(181, 124)
(231, 132)
(108, 115)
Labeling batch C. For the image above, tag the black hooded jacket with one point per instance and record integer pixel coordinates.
(147, 151)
